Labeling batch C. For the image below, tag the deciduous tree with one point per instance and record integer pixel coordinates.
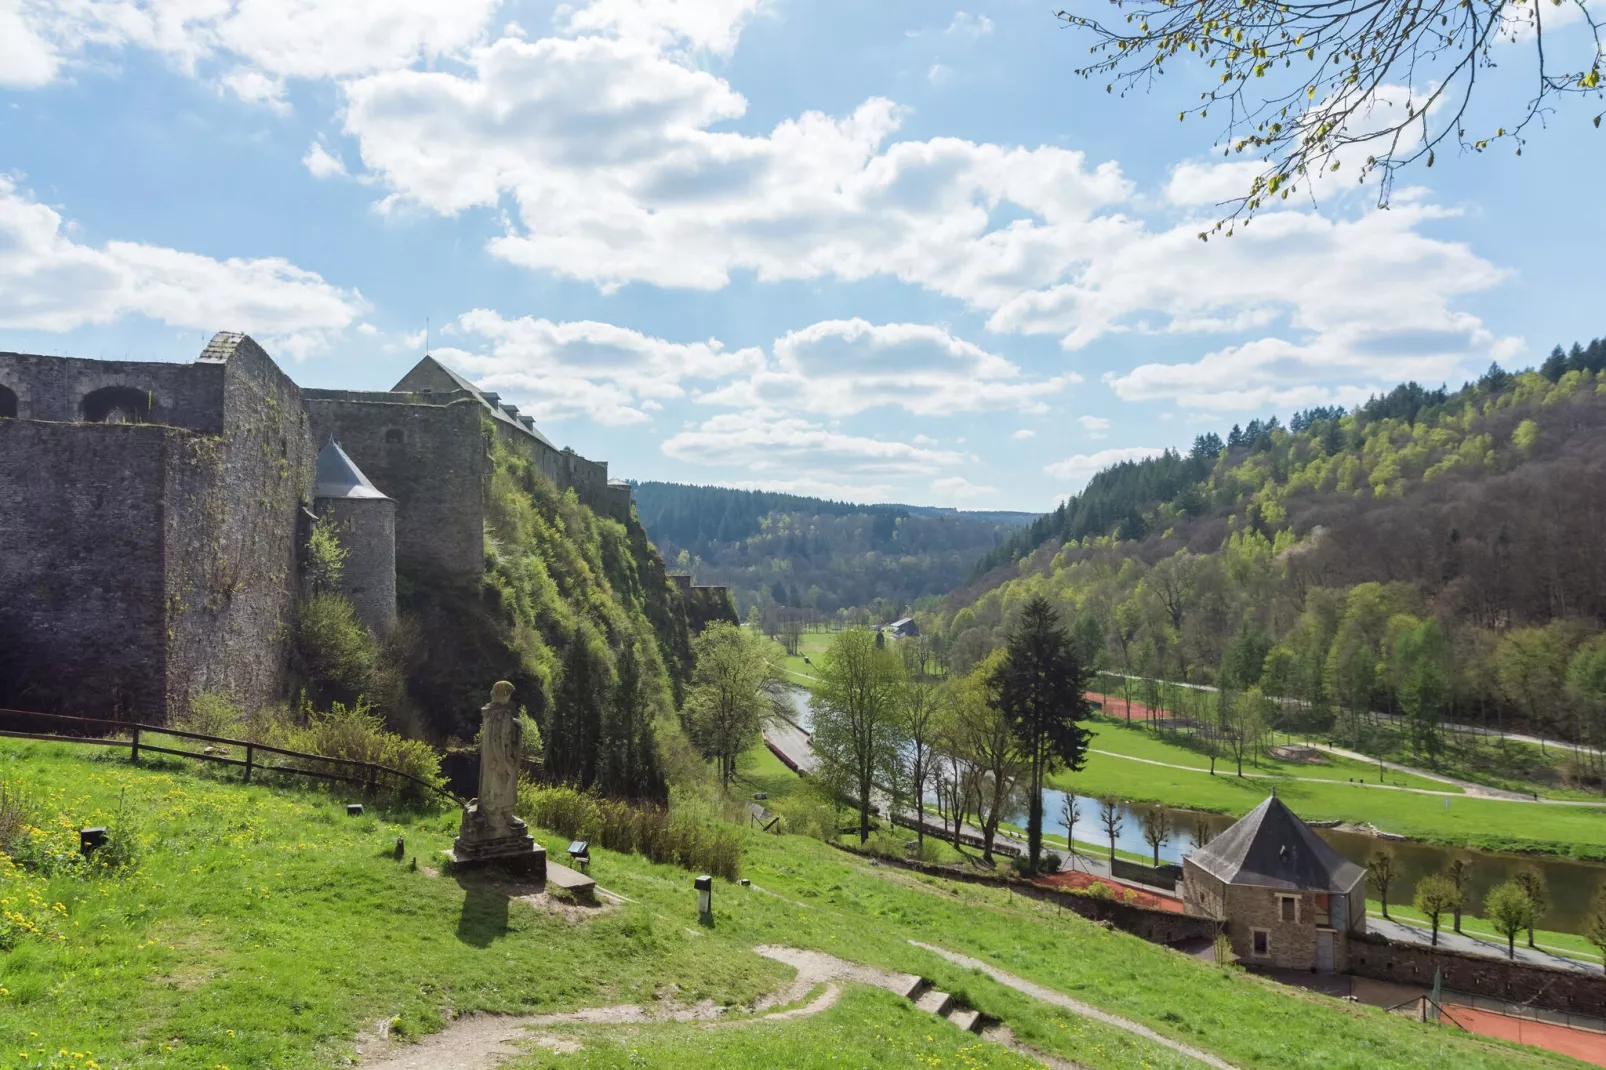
(858, 717)
(1434, 896)
(1509, 910)
(1308, 88)
(735, 685)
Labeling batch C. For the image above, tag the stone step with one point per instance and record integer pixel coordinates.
(969, 1021)
(935, 1002)
(564, 879)
(911, 985)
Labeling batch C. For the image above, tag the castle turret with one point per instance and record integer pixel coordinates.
(365, 523)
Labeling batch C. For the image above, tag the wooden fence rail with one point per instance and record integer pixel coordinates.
(364, 774)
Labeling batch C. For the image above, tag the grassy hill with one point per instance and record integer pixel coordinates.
(260, 926)
(791, 552)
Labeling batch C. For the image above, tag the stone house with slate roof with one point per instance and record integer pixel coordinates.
(1287, 898)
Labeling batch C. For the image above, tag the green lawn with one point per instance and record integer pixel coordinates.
(812, 645)
(1570, 944)
(260, 926)
(1465, 821)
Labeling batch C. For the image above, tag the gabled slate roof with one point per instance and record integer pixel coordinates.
(490, 399)
(1272, 848)
(339, 477)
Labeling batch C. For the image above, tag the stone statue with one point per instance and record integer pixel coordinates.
(490, 832)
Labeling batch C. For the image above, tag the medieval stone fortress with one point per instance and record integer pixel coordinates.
(154, 515)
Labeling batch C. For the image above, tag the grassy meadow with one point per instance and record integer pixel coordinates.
(260, 926)
(1458, 819)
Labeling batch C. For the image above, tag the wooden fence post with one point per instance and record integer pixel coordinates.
(373, 776)
(248, 758)
(134, 754)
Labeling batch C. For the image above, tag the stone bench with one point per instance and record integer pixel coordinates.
(576, 884)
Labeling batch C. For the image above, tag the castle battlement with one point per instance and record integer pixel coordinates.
(152, 515)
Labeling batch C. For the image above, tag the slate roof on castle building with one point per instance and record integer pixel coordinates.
(338, 476)
(1271, 847)
(506, 413)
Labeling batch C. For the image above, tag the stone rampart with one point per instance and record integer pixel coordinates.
(233, 535)
(56, 388)
(82, 517)
(429, 458)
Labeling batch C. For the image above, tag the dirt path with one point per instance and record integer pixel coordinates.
(1058, 999)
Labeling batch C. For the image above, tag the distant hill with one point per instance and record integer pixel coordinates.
(1432, 549)
(787, 550)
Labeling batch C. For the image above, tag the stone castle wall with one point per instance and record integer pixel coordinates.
(54, 388)
(233, 536)
(82, 516)
(144, 563)
(429, 457)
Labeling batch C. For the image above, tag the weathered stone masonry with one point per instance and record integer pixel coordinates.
(151, 515)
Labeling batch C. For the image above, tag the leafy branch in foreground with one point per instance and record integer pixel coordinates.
(1341, 77)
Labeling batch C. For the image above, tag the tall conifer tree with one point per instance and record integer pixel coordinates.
(1042, 688)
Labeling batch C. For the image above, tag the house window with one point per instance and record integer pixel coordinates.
(395, 435)
(1288, 907)
(1324, 915)
(1260, 942)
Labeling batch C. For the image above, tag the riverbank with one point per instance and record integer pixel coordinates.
(1133, 765)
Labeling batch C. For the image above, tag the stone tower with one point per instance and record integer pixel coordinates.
(365, 523)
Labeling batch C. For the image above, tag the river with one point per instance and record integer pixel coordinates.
(1570, 885)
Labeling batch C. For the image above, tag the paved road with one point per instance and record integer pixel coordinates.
(1465, 785)
(1395, 929)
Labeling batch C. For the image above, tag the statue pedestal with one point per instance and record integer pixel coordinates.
(505, 845)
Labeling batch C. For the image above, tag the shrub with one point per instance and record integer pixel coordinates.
(16, 815)
(356, 733)
(660, 834)
(1097, 890)
(212, 713)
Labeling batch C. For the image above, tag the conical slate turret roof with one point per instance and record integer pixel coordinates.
(339, 477)
(1272, 848)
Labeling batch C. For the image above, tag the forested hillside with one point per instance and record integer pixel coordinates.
(786, 551)
(1432, 553)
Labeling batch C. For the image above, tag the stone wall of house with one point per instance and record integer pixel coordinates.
(1244, 908)
(429, 458)
(82, 617)
(54, 388)
(233, 532)
(1545, 987)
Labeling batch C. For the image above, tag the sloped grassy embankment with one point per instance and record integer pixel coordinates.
(260, 926)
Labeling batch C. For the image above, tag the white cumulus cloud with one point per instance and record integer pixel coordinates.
(771, 442)
(1077, 469)
(1095, 426)
(50, 282)
(614, 375)
(841, 367)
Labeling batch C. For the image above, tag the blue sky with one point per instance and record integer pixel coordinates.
(888, 251)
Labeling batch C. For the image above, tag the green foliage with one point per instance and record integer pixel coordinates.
(794, 553)
(1436, 896)
(212, 713)
(857, 722)
(357, 733)
(1040, 687)
(341, 659)
(735, 685)
(659, 833)
(326, 558)
(1594, 929)
(1510, 910)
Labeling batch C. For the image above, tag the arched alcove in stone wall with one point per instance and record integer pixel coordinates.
(117, 405)
(8, 403)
